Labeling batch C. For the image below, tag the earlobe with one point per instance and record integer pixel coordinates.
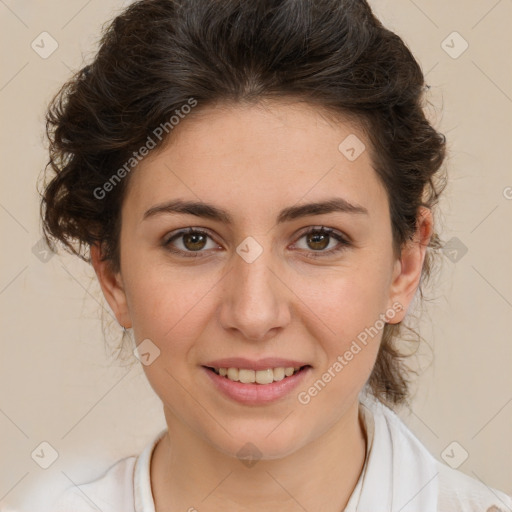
(408, 269)
(112, 286)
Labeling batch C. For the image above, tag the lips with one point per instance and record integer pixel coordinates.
(256, 382)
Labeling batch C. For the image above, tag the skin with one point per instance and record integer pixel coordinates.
(253, 161)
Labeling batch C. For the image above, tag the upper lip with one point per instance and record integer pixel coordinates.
(260, 364)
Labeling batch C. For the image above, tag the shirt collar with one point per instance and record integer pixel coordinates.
(143, 496)
(401, 474)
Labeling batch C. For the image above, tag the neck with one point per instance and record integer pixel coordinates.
(187, 473)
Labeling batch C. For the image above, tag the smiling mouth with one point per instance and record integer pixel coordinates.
(267, 376)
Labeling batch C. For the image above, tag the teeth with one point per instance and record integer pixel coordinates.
(265, 376)
(278, 374)
(232, 374)
(246, 376)
(256, 376)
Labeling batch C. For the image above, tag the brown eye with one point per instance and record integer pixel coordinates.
(194, 241)
(318, 239)
(189, 241)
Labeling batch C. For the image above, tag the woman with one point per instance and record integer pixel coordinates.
(255, 182)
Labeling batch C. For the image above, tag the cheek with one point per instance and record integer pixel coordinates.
(167, 308)
(348, 341)
(351, 303)
(348, 299)
(166, 304)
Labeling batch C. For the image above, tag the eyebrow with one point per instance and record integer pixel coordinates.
(209, 211)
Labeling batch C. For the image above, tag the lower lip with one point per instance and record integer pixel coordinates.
(256, 394)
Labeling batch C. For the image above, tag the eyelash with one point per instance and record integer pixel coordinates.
(321, 230)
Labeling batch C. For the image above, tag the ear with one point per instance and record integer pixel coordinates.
(407, 269)
(112, 287)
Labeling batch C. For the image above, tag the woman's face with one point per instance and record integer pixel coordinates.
(253, 291)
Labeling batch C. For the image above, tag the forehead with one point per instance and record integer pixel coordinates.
(273, 152)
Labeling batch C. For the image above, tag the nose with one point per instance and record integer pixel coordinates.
(254, 298)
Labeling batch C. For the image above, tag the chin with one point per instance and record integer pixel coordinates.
(263, 444)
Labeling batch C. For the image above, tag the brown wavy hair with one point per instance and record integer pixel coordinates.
(157, 54)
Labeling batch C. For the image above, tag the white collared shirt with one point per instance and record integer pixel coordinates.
(399, 475)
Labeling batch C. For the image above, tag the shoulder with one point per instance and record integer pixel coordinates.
(459, 492)
(451, 489)
(111, 492)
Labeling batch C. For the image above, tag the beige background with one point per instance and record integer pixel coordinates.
(57, 381)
